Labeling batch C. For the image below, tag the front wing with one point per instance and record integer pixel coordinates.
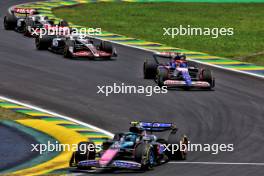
(179, 83)
(120, 164)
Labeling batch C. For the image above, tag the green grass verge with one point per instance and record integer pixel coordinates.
(146, 21)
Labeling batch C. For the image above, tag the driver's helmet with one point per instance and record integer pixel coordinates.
(178, 60)
(183, 64)
(84, 39)
(183, 57)
(176, 56)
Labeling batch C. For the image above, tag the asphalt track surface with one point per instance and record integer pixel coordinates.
(233, 113)
(12, 154)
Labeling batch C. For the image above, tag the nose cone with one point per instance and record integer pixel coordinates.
(108, 156)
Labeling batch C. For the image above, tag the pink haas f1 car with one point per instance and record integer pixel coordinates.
(175, 72)
(76, 46)
(14, 17)
(139, 149)
(28, 22)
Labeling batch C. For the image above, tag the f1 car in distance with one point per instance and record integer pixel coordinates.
(28, 22)
(73, 46)
(138, 149)
(32, 25)
(175, 72)
(15, 15)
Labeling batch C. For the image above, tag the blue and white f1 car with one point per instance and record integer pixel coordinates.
(176, 72)
(138, 149)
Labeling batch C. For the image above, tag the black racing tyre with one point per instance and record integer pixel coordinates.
(149, 70)
(162, 76)
(208, 77)
(42, 43)
(106, 46)
(176, 139)
(144, 155)
(10, 22)
(83, 153)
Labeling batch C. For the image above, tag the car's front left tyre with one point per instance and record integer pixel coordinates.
(144, 155)
(10, 22)
(83, 153)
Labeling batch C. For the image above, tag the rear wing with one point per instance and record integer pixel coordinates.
(25, 11)
(167, 55)
(161, 54)
(154, 126)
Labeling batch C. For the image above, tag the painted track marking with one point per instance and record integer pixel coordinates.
(217, 163)
(59, 115)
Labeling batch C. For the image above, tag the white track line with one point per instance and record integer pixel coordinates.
(58, 115)
(217, 163)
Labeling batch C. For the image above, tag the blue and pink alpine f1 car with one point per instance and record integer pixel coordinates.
(138, 149)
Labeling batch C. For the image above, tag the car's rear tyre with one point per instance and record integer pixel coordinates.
(10, 22)
(149, 70)
(208, 77)
(82, 155)
(144, 155)
(42, 43)
(176, 139)
(106, 46)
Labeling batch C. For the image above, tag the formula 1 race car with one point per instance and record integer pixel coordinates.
(176, 72)
(36, 24)
(28, 22)
(137, 149)
(15, 15)
(73, 46)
